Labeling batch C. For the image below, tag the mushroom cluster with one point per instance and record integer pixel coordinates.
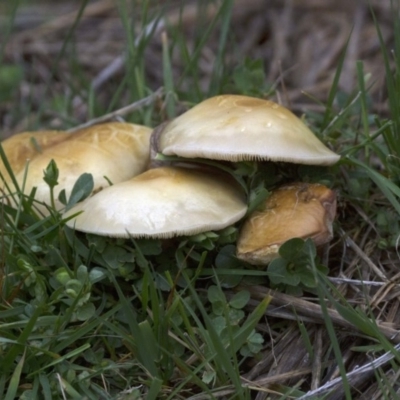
(167, 201)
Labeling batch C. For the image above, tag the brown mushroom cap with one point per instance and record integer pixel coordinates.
(162, 202)
(27, 145)
(238, 128)
(114, 150)
(299, 210)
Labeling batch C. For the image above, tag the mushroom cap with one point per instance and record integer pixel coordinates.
(114, 150)
(238, 128)
(26, 145)
(299, 210)
(162, 202)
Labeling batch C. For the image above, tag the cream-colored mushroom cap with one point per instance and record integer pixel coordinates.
(116, 151)
(162, 202)
(299, 210)
(24, 146)
(238, 128)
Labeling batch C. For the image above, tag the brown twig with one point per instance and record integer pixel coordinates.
(137, 105)
(304, 308)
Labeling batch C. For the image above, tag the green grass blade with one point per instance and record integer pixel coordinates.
(331, 330)
(218, 70)
(388, 188)
(334, 88)
(59, 360)
(168, 78)
(9, 25)
(155, 389)
(15, 379)
(142, 344)
(392, 80)
(12, 354)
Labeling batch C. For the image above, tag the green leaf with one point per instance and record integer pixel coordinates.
(219, 324)
(257, 199)
(208, 376)
(218, 307)
(82, 188)
(306, 276)
(82, 273)
(291, 248)
(235, 316)
(249, 77)
(215, 294)
(86, 312)
(240, 299)
(226, 258)
(62, 197)
(51, 174)
(277, 270)
(309, 248)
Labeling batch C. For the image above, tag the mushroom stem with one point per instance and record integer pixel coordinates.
(155, 147)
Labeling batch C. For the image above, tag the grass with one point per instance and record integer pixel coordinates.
(83, 316)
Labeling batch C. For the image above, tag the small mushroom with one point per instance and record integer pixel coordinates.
(110, 152)
(239, 128)
(298, 210)
(161, 203)
(26, 145)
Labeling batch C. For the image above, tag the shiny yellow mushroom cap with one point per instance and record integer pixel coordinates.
(162, 202)
(25, 146)
(298, 210)
(238, 128)
(110, 152)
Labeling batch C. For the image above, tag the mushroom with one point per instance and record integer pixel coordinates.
(26, 145)
(239, 128)
(161, 203)
(110, 152)
(298, 210)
